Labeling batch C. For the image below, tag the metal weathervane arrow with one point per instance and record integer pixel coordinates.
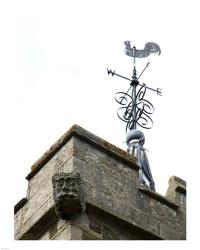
(136, 110)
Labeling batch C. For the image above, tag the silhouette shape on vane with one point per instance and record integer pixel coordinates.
(149, 48)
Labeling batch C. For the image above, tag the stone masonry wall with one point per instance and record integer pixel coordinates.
(110, 180)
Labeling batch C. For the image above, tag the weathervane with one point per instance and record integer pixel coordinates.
(136, 110)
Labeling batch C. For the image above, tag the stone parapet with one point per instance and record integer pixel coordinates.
(113, 196)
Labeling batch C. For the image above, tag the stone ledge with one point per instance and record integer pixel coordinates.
(158, 197)
(124, 219)
(120, 221)
(43, 224)
(20, 204)
(47, 219)
(88, 137)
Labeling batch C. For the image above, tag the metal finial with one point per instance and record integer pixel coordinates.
(136, 111)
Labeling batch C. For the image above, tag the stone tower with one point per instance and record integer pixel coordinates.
(84, 188)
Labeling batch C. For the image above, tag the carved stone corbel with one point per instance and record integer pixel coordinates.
(68, 194)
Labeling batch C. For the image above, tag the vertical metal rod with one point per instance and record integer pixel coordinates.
(134, 51)
(134, 104)
(134, 85)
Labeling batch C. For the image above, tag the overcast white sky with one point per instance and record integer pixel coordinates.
(54, 56)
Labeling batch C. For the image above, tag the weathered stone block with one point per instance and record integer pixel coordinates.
(43, 177)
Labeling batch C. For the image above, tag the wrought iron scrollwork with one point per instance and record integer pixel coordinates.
(143, 109)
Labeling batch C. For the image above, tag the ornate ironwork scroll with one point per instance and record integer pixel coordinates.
(143, 109)
(135, 109)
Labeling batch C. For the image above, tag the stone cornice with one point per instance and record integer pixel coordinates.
(88, 137)
(158, 197)
(20, 204)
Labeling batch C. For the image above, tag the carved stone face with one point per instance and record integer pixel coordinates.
(68, 194)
